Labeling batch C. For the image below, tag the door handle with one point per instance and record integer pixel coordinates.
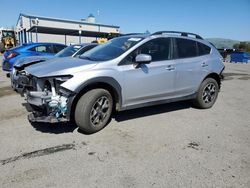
(204, 64)
(170, 68)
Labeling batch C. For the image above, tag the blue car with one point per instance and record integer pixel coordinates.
(31, 49)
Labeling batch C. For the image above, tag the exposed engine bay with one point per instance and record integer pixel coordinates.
(47, 99)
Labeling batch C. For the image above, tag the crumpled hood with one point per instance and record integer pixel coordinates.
(23, 62)
(59, 66)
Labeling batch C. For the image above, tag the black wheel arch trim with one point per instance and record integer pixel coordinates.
(215, 76)
(94, 83)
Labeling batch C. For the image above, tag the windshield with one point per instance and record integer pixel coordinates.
(69, 51)
(111, 49)
(8, 33)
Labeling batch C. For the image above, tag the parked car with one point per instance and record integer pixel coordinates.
(22, 63)
(124, 73)
(10, 56)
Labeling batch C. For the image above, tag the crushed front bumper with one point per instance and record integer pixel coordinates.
(35, 116)
(49, 108)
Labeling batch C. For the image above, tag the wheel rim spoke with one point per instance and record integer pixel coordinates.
(209, 92)
(96, 120)
(99, 111)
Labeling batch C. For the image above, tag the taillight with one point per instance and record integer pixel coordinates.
(12, 54)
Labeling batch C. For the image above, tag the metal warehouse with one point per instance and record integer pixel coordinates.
(32, 28)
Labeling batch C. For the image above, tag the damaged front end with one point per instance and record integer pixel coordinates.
(48, 99)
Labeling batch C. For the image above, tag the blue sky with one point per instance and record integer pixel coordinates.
(209, 18)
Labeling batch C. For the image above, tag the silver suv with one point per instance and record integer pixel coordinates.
(126, 72)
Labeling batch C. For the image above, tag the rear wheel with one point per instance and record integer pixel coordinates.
(93, 110)
(207, 94)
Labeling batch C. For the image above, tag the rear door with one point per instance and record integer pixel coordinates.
(191, 66)
(149, 82)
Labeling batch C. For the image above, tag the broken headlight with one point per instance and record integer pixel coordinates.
(65, 92)
(59, 80)
(63, 78)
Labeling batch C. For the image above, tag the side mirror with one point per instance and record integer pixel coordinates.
(143, 59)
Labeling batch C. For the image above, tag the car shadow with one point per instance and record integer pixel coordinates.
(151, 110)
(54, 128)
(68, 127)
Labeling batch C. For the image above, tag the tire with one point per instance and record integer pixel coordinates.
(1, 48)
(93, 110)
(207, 94)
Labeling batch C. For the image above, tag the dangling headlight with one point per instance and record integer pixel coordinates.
(63, 78)
(59, 80)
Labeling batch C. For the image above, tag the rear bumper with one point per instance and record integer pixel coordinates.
(221, 73)
(6, 66)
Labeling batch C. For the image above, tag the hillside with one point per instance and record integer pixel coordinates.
(223, 43)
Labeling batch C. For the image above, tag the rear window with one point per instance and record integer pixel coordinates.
(203, 49)
(58, 48)
(18, 47)
(185, 48)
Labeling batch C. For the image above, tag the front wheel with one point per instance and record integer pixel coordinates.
(207, 94)
(93, 110)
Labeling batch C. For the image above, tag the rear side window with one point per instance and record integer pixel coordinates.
(159, 49)
(185, 48)
(42, 48)
(203, 49)
(58, 48)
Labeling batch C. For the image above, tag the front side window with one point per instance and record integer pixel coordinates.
(185, 48)
(111, 49)
(42, 48)
(158, 49)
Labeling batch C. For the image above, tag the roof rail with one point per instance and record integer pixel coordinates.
(178, 32)
(127, 34)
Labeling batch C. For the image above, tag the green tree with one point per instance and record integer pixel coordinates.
(242, 46)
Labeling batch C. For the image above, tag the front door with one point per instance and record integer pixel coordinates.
(149, 82)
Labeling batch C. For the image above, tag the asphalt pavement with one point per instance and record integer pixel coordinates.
(171, 145)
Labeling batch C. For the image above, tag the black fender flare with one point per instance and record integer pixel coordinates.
(92, 83)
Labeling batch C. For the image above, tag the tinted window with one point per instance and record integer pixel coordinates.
(58, 48)
(68, 51)
(203, 49)
(159, 49)
(185, 48)
(85, 49)
(42, 48)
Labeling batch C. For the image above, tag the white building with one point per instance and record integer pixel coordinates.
(32, 28)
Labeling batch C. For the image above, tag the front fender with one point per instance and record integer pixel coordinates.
(102, 81)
